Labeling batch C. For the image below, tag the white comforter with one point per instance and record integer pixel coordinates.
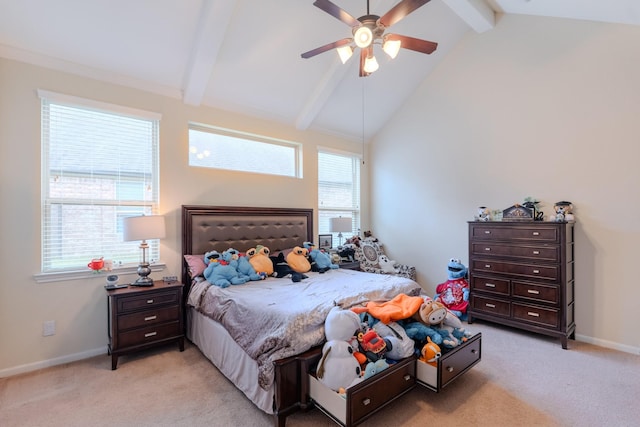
(277, 318)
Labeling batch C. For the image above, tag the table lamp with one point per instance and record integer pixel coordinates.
(338, 225)
(143, 228)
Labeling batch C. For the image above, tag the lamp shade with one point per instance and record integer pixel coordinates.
(338, 225)
(144, 227)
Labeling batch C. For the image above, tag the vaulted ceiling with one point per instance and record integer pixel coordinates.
(244, 55)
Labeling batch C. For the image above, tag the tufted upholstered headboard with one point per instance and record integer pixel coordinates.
(206, 228)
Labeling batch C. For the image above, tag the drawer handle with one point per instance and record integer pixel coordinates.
(490, 285)
(150, 334)
(531, 313)
(536, 252)
(533, 291)
(407, 377)
(146, 319)
(366, 401)
(149, 301)
(487, 249)
(487, 266)
(536, 271)
(449, 368)
(535, 233)
(474, 351)
(487, 232)
(490, 305)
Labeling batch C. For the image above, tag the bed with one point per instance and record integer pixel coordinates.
(261, 334)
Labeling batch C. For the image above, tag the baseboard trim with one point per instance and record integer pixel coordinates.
(29, 367)
(608, 344)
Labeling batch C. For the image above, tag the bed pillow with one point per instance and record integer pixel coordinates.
(369, 253)
(196, 265)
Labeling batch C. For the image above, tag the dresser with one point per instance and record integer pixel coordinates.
(521, 274)
(143, 317)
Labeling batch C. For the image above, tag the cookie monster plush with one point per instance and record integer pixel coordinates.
(220, 272)
(454, 293)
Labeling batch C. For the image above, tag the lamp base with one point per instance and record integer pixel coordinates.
(143, 273)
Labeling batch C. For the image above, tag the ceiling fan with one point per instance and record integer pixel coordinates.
(369, 29)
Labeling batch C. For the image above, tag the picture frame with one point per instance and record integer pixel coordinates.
(325, 241)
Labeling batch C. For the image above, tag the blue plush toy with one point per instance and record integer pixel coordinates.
(322, 260)
(454, 293)
(244, 267)
(219, 271)
(419, 332)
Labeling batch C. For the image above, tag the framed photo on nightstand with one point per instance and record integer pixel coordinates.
(325, 241)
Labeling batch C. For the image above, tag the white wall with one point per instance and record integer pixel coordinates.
(540, 107)
(79, 307)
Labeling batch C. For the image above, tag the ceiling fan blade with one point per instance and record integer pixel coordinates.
(400, 10)
(335, 11)
(326, 47)
(363, 57)
(412, 43)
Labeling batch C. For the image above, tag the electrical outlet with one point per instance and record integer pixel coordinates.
(49, 328)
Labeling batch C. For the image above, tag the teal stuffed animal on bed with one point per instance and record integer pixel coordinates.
(244, 267)
(320, 261)
(220, 272)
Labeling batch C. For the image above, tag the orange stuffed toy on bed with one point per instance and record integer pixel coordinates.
(402, 306)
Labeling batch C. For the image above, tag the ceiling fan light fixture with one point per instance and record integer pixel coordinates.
(391, 47)
(370, 64)
(363, 37)
(345, 53)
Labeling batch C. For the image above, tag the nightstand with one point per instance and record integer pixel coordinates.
(143, 317)
(352, 265)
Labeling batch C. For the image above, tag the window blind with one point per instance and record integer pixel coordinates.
(98, 167)
(338, 190)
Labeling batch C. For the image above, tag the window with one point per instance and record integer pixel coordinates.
(99, 165)
(213, 147)
(338, 191)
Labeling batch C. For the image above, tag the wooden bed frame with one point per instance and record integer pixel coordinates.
(206, 228)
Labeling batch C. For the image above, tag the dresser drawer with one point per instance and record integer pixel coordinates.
(490, 305)
(148, 299)
(149, 334)
(537, 292)
(529, 253)
(547, 317)
(538, 233)
(148, 317)
(364, 399)
(451, 365)
(549, 272)
(490, 284)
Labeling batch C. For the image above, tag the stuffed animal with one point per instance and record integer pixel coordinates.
(347, 251)
(322, 260)
(563, 211)
(282, 269)
(245, 269)
(420, 333)
(386, 264)
(373, 368)
(430, 353)
(338, 368)
(401, 345)
(297, 260)
(259, 259)
(454, 293)
(219, 271)
(435, 315)
(430, 312)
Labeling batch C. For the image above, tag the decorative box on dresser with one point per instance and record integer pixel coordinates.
(143, 317)
(521, 274)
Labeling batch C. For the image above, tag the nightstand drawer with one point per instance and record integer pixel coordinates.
(149, 299)
(490, 305)
(547, 317)
(364, 399)
(149, 334)
(537, 292)
(148, 317)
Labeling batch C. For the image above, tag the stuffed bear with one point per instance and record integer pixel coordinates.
(322, 260)
(454, 293)
(220, 272)
(297, 260)
(259, 259)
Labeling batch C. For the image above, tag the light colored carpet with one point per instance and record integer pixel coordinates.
(523, 379)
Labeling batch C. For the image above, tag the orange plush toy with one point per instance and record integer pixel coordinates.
(298, 261)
